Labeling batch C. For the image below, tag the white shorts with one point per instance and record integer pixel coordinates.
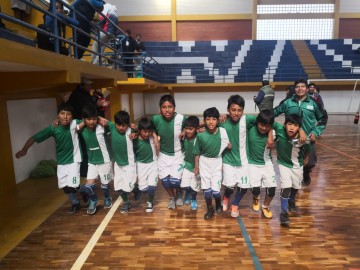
(103, 170)
(124, 177)
(210, 173)
(189, 180)
(262, 176)
(147, 174)
(171, 165)
(233, 175)
(69, 175)
(290, 177)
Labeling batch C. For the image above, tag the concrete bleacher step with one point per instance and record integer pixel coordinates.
(307, 60)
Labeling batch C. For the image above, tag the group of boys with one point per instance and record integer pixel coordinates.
(234, 153)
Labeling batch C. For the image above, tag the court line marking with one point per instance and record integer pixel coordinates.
(95, 238)
(337, 151)
(249, 245)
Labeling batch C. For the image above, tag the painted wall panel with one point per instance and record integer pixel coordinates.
(150, 31)
(142, 7)
(26, 117)
(124, 103)
(349, 6)
(349, 28)
(138, 105)
(187, 7)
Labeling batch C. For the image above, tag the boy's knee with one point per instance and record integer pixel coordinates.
(242, 191)
(151, 190)
(208, 193)
(256, 191)
(69, 190)
(166, 182)
(105, 187)
(285, 193)
(216, 194)
(270, 192)
(175, 183)
(228, 191)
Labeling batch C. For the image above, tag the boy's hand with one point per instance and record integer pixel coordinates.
(312, 137)
(229, 146)
(302, 136)
(133, 126)
(102, 121)
(56, 122)
(20, 154)
(133, 136)
(182, 135)
(196, 171)
(223, 118)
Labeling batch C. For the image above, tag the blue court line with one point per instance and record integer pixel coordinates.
(250, 247)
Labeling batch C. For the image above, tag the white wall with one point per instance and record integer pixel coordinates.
(349, 6)
(142, 7)
(26, 117)
(139, 110)
(125, 102)
(187, 7)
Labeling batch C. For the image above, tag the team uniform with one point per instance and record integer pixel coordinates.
(171, 157)
(188, 177)
(261, 169)
(146, 163)
(235, 161)
(123, 154)
(209, 147)
(68, 153)
(289, 158)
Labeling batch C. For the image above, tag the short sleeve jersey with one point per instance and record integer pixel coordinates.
(144, 150)
(122, 146)
(258, 154)
(189, 155)
(211, 144)
(169, 132)
(288, 155)
(237, 133)
(96, 145)
(66, 141)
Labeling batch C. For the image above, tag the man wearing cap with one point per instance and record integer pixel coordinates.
(265, 97)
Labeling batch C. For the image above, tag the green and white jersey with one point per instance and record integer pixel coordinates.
(66, 141)
(122, 146)
(144, 150)
(189, 155)
(258, 154)
(169, 132)
(96, 145)
(288, 155)
(237, 133)
(211, 145)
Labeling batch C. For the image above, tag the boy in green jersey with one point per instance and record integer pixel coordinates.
(190, 182)
(123, 154)
(208, 150)
(291, 157)
(261, 169)
(68, 154)
(169, 126)
(99, 161)
(146, 161)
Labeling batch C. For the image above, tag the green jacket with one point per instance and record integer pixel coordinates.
(314, 116)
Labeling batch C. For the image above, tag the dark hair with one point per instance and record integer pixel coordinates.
(293, 119)
(122, 118)
(65, 107)
(89, 111)
(265, 82)
(192, 121)
(301, 81)
(312, 84)
(211, 112)
(236, 99)
(265, 117)
(145, 123)
(168, 98)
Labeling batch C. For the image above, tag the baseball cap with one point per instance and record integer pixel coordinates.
(85, 81)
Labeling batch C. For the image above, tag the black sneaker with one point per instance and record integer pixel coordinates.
(284, 218)
(210, 213)
(73, 209)
(292, 207)
(125, 208)
(149, 207)
(219, 209)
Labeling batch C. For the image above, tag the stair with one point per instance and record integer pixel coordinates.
(307, 60)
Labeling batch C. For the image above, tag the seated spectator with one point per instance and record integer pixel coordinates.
(87, 8)
(110, 12)
(48, 43)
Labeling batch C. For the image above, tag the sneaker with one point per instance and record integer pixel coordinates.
(85, 197)
(256, 205)
(179, 200)
(219, 209)
(149, 207)
(187, 200)
(292, 207)
(226, 201)
(284, 218)
(194, 205)
(234, 211)
(172, 203)
(92, 207)
(107, 202)
(210, 213)
(266, 211)
(125, 208)
(74, 208)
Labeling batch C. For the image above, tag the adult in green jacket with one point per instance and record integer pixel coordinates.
(313, 115)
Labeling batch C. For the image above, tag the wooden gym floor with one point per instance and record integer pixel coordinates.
(36, 233)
